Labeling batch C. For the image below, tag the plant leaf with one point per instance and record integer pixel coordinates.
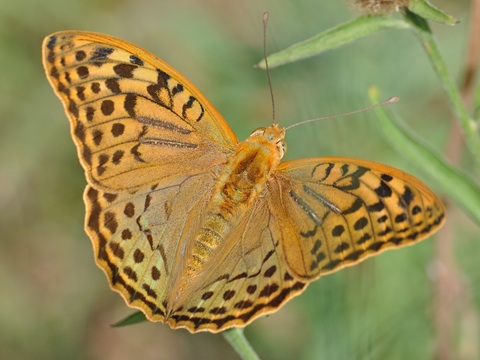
(333, 38)
(426, 10)
(135, 318)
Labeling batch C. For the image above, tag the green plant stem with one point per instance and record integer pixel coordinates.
(468, 126)
(451, 181)
(239, 342)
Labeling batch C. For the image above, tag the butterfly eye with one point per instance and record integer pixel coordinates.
(282, 148)
(258, 132)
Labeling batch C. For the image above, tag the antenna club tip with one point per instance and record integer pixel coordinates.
(392, 100)
(265, 16)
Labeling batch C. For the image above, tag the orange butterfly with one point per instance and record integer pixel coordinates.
(196, 229)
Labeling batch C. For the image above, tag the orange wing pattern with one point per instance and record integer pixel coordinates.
(133, 117)
(341, 210)
(200, 231)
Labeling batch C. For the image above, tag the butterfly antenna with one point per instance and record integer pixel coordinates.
(265, 21)
(391, 100)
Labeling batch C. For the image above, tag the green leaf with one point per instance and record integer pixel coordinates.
(426, 10)
(451, 181)
(333, 38)
(135, 318)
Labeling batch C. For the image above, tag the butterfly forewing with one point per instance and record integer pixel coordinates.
(342, 210)
(133, 117)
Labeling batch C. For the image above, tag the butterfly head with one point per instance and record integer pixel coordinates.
(274, 135)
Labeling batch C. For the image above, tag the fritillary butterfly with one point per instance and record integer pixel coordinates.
(196, 229)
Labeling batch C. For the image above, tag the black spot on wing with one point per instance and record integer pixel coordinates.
(82, 72)
(124, 70)
(81, 92)
(386, 177)
(107, 107)
(162, 78)
(101, 54)
(338, 230)
(177, 89)
(379, 206)
(54, 72)
(129, 104)
(135, 60)
(353, 177)
(51, 42)
(383, 190)
(407, 197)
(80, 55)
(360, 223)
(357, 204)
(113, 85)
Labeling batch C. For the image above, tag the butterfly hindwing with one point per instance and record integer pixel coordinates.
(139, 239)
(245, 279)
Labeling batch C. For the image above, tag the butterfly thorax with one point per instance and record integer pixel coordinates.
(241, 182)
(249, 169)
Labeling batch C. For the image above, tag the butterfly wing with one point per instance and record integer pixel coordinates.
(316, 216)
(151, 146)
(141, 261)
(139, 239)
(246, 278)
(134, 119)
(337, 211)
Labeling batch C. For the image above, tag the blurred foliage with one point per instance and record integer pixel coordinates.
(56, 304)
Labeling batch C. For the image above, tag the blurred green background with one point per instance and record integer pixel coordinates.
(55, 303)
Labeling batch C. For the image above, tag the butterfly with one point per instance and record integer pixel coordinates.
(191, 226)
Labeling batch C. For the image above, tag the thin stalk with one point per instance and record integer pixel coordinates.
(468, 126)
(239, 342)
